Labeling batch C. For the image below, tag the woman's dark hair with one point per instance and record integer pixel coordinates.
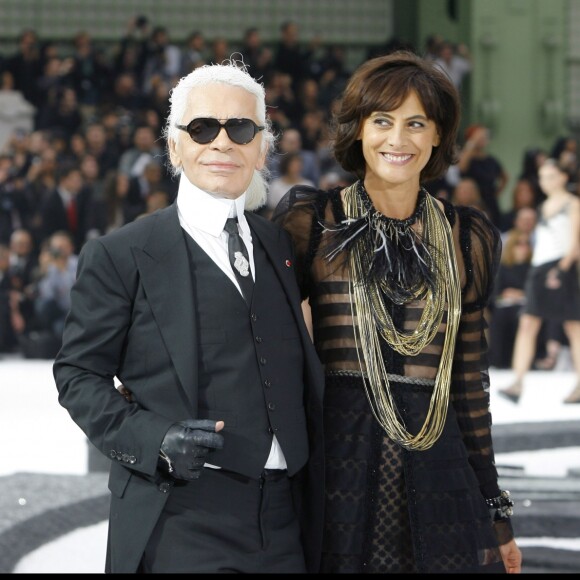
(560, 145)
(382, 84)
(530, 162)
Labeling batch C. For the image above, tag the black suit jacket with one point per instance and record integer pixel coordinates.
(132, 317)
(54, 217)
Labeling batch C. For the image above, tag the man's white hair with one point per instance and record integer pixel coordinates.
(230, 72)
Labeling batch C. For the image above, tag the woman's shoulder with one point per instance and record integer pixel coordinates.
(469, 217)
(308, 192)
(480, 245)
(573, 200)
(308, 199)
(562, 206)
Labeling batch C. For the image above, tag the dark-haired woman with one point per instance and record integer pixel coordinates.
(397, 283)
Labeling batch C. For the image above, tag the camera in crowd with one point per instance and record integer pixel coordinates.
(56, 253)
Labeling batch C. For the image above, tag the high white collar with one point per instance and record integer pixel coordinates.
(206, 212)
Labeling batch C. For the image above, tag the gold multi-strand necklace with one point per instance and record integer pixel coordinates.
(371, 319)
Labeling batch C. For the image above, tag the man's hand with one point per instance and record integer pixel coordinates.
(187, 444)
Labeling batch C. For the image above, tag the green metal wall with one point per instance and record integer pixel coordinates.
(519, 83)
(573, 67)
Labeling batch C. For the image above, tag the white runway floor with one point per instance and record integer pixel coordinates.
(39, 437)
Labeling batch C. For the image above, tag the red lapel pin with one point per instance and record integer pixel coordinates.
(288, 263)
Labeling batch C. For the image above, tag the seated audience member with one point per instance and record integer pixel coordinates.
(291, 142)
(140, 186)
(53, 288)
(7, 334)
(477, 162)
(157, 199)
(38, 329)
(68, 206)
(23, 258)
(525, 221)
(467, 193)
(143, 150)
(193, 54)
(532, 159)
(509, 297)
(291, 173)
(454, 60)
(22, 271)
(523, 195)
(256, 55)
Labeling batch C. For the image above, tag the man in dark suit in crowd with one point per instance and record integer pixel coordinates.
(68, 206)
(216, 447)
(8, 339)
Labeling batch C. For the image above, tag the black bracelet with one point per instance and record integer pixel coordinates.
(501, 507)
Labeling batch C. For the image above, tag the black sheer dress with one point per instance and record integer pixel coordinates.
(389, 509)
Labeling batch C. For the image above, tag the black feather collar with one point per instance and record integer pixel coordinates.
(396, 258)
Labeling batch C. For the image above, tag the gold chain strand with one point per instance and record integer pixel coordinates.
(368, 309)
(411, 343)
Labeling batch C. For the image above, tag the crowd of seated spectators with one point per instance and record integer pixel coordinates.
(94, 157)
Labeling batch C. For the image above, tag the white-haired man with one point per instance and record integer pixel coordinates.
(216, 447)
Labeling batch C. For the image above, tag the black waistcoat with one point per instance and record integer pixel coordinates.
(250, 365)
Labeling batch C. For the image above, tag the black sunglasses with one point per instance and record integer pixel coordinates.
(205, 129)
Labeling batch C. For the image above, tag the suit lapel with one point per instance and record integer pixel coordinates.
(269, 236)
(165, 273)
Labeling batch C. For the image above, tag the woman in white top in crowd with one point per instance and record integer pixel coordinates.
(552, 287)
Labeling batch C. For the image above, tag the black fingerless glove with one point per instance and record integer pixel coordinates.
(186, 446)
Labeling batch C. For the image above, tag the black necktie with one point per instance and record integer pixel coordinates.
(239, 259)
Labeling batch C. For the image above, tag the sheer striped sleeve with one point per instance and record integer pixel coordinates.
(300, 214)
(480, 246)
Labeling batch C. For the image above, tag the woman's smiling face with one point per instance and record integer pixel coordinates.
(397, 144)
